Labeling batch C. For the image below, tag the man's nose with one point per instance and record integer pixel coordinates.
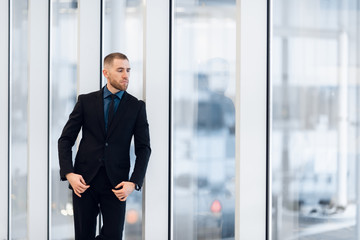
(125, 74)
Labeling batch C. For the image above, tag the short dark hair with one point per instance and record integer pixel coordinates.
(109, 59)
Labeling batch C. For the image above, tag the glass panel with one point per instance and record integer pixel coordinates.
(315, 119)
(123, 32)
(203, 127)
(18, 120)
(63, 89)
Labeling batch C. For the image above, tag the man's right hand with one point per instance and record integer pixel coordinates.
(77, 183)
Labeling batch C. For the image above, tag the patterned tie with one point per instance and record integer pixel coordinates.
(111, 109)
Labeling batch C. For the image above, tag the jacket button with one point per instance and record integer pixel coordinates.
(106, 144)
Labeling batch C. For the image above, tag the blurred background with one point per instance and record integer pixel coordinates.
(314, 118)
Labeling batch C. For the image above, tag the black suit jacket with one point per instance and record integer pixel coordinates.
(98, 147)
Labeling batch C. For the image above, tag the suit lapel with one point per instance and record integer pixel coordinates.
(100, 110)
(122, 108)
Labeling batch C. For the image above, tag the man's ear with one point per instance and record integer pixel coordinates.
(105, 73)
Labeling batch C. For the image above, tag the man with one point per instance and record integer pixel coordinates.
(99, 178)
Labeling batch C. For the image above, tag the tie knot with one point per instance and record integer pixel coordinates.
(113, 96)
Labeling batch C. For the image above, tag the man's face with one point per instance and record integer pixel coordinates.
(117, 75)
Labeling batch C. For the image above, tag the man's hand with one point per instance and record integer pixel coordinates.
(123, 190)
(77, 183)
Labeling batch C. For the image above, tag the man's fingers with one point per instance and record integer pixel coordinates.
(77, 194)
(119, 185)
(78, 183)
(119, 192)
(82, 180)
(126, 188)
(121, 195)
(123, 199)
(82, 187)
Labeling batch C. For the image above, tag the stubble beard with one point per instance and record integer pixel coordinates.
(119, 86)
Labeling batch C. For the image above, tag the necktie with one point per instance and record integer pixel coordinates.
(111, 109)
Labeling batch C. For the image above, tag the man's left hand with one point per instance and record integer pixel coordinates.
(123, 190)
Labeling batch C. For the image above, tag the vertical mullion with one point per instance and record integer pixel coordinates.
(170, 168)
(100, 77)
(9, 122)
(48, 123)
(156, 195)
(101, 40)
(143, 202)
(4, 118)
(268, 227)
(251, 144)
(38, 120)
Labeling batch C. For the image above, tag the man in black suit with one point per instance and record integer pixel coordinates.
(99, 177)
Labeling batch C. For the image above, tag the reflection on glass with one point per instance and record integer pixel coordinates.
(123, 32)
(203, 93)
(18, 121)
(315, 120)
(63, 84)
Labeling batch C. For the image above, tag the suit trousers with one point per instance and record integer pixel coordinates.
(98, 197)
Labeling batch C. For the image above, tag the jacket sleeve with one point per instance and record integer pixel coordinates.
(68, 138)
(142, 147)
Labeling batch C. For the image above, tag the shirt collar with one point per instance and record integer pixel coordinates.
(108, 93)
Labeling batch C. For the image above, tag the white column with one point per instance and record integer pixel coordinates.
(357, 146)
(38, 120)
(89, 46)
(4, 74)
(342, 161)
(156, 70)
(251, 75)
